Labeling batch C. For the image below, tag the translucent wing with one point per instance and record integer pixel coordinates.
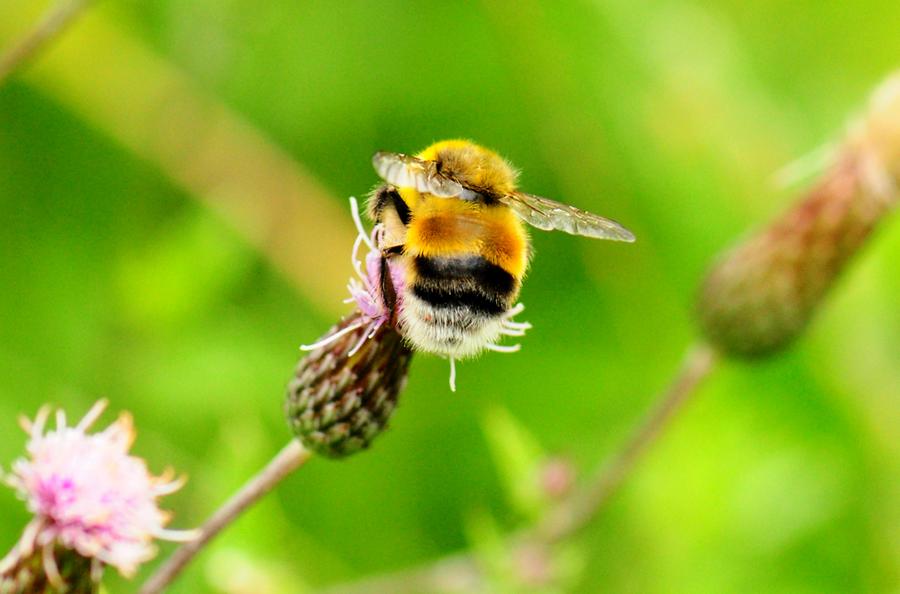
(406, 171)
(549, 215)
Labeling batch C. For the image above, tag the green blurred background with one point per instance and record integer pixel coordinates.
(173, 184)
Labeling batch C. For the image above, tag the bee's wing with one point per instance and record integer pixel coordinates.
(549, 215)
(406, 171)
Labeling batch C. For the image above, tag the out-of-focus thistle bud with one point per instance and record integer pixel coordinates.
(29, 576)
(344, 392)
(94, 505)
(761, 295)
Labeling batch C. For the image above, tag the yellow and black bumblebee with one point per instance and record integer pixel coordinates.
(451, 218)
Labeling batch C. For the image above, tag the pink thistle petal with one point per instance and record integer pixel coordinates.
(89, 495)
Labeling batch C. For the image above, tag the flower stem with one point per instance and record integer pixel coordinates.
(48, 28)
(461, 573)
(289, 459)
(586, 503)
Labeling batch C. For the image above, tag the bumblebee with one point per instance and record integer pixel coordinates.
(452, 219)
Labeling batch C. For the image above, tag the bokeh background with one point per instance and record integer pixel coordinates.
(174, 224)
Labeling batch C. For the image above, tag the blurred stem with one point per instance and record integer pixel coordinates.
(108, 77)
(585, 504)
(461, 573)
(452, 574)
(289, 459)
(48, 28)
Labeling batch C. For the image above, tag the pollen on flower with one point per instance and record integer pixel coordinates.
(89, 495)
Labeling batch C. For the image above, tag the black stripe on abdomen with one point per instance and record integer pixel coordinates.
(465, 268)
(464, 281)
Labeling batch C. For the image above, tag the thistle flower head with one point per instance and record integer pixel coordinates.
(88, 494)
(374, 308)
(345, 391)
(761, 295)
(875, 136)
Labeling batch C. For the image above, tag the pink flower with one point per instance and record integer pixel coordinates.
(89, 495)
(366, 291)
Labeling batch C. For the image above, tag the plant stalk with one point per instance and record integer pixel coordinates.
(46, 30)
(289, 459)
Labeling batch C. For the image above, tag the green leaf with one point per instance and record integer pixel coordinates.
(518, 457)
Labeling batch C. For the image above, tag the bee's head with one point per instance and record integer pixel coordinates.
(473, 166)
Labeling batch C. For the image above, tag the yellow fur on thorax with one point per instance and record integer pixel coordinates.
(452, 227)
(473, 165)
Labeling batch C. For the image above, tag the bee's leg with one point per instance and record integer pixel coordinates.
(378, 200)
(386, 197)
(386, 285)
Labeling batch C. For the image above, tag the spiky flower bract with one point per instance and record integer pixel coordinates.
(344, 391)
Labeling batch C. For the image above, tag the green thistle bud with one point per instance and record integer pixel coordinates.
(29, 574)
(345, 390)
(763, 293)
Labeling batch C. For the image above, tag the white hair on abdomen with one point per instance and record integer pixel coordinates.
(454, 331)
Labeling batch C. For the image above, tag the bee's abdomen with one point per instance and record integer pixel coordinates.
(469, 282)
(454, 305)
